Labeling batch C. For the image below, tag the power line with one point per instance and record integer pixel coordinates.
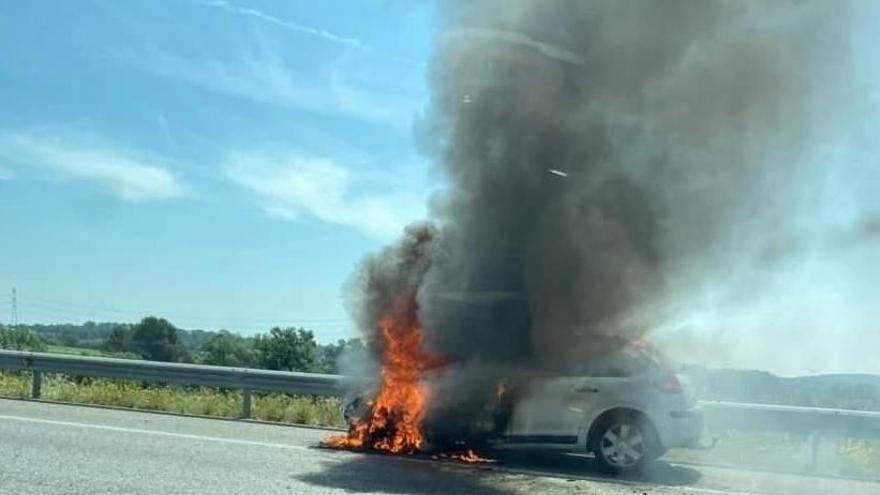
(84, 314)
(56, 320)
(70, 312)
(64, 317)
(333, 321)
(65, 314)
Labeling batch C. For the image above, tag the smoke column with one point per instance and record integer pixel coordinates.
(596, 154)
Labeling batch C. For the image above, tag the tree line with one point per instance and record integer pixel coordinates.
(157, 339)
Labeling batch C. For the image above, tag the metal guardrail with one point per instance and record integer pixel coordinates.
(792, 419)
(245, 379)
(814, 421)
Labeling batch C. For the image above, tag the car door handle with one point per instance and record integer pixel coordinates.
(587, 390)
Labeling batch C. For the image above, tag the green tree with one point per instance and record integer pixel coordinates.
(288, 349)
(118, 341)
(156, 339)
(68, 338)
(19, 339)
(329, 354)
(225, 348)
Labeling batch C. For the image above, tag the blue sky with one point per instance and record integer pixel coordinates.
(226, 164)
(223, 164)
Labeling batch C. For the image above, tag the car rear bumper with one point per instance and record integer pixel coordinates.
(681, 428)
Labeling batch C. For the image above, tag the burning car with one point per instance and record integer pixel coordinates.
(626, 407)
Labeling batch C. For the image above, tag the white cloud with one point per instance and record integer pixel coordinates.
(129, 177)
(296, 187)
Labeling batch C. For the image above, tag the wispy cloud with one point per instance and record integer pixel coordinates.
(339, 75)
(129, 177)
(297, 187)
(292, 26)
(263, 76)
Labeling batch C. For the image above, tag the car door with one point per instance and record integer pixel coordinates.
(550, 409)
(552, 406)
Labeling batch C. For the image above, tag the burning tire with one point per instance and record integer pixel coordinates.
(623, 442)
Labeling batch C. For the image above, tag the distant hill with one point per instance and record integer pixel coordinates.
(845, 391)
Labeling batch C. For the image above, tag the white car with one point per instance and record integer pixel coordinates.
(627, 408)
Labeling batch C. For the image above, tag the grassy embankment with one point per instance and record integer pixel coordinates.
(788, 452)
(79, 351)
(189, 400)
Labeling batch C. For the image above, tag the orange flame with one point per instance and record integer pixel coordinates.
(396, 414)
(469, 456)
(501, 390)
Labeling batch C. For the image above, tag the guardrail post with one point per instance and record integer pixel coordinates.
(247, 399)
(36, 384)
(816, 442)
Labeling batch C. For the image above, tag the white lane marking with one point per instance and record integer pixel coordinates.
(498, 468)
(155, 432)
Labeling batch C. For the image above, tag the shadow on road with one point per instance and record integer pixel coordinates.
(380, 473)
(578, 466)
(422, 475)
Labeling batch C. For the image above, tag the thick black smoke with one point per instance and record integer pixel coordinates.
(594, 148)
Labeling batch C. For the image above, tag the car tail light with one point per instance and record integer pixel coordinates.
(668, 384)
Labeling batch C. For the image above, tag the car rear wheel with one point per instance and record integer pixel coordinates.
(623, 443)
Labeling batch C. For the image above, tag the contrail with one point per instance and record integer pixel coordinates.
(299, 28)
(310, 31)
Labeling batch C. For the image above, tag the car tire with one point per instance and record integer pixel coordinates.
(623, 443)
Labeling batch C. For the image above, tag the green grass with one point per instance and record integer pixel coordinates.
(80, 351)
(788, 452)
(15, 385)
(195, 400)
(861, 457)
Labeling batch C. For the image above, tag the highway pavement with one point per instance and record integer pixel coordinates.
(50, 449)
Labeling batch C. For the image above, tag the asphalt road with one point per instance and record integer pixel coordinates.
(51, 449)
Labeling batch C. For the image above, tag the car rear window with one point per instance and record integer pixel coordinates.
(620, 364)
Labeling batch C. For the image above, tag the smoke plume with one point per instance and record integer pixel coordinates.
(597, 154)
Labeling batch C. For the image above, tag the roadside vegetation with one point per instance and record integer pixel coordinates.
(157, 339)
(201, 401)
(20, 339)
(788, 452)
(285, 349)
(79, 351)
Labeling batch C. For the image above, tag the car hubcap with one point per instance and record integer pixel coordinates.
(623, 445)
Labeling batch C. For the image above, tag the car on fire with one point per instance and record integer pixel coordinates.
(626, 408)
